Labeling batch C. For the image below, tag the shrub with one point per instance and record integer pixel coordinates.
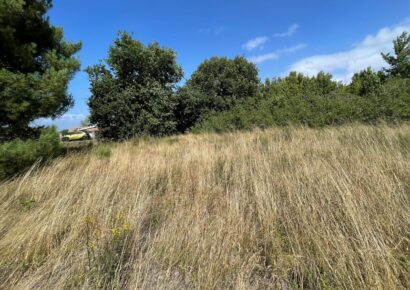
(287, 104)
(18, 155)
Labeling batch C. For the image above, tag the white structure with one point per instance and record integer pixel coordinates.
(91, 130)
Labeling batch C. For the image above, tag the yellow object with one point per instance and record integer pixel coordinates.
(75, 136)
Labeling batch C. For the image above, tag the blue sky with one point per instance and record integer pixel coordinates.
(339, 37)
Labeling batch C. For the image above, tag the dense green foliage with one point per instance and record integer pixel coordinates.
(320, 101)
(134, 95)
(134, 91)
(217, 85)
(366, 82)
(36, 64)
(390, 103)
(18, 155)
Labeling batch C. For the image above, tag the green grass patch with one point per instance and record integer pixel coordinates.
(103, 151)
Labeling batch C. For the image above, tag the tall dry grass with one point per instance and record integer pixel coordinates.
(282, 208)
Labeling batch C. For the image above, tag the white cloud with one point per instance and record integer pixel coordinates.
(344, 64)
(263, 57)
(293, 48)
(256, 42)
(291, 30)
(72, 117)
(261, 40)
(65, 121)
(275, 55)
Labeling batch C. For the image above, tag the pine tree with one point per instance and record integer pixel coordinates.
(36, 64)
(400, 61)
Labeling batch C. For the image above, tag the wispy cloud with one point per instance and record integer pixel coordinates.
(215, 30)
(291, 30)
(275, 55)
(293, 48)
(261, 40)
(72, 117)
(364, 54)
(255, 42)
(219, 30)
(263, 57)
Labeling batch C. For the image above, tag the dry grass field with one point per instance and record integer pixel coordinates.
(286, 208)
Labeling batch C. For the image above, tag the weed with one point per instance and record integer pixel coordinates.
(103, 151)
(26, 203)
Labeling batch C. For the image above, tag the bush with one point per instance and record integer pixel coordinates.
(18, 155)
(298, 100)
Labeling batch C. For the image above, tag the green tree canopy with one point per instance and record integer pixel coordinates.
(217, 85)
(297, 84)
(366, 82)
(36, 64)
(134, 95)
(400, 61)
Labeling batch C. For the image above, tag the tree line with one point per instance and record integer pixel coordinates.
(137, 89)
(135, 92)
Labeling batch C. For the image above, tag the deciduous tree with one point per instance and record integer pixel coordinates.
(217, 85)
(132, 92)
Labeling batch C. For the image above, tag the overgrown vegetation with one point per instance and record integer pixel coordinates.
(285, 208)
(18, 155)
(318, 102)
(131, 98)
(102, 151)
(289, 207)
